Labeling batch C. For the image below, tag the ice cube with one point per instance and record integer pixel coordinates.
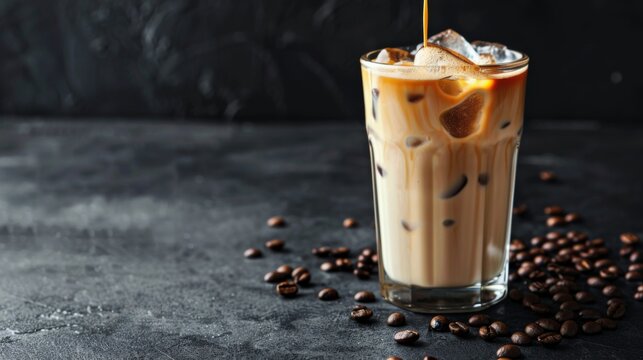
(462, 120)
(437, 56)
(456, 42)
(500, 53)
(391, 56)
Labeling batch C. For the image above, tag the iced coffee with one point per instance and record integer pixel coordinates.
(444, 121)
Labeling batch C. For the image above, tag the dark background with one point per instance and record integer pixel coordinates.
(293, 59)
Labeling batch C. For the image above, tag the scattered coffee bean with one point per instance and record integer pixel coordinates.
(530, 299)
(635, 267)
(638, 296)
(538, 287)
(276, 221)
(344, 264)
(285, 269)
(520, 338)
(500, 327)
(595, 281)
(584, 265)
(607, 324)
(396, 319)
(276, 276)
(459, 328)
(328, 266)
(375, 258)
(553, 221)
(439, 323)
(629, 238)
(328, 294)
(478, 320)
(553, 235)
(515, 295)
(394, 358)
(341, 252)
(520, 210)
(609, 273)
(406, 337)
(591, 327)
(487, 333)
(364, 297)
(427, 357)
(554, 210)
(323, 251)
(572, 218)
(349, 223)
(509, 351)
(564, 315)
(549, 339)
(639, 288)
(548, 324)
(533, 330)
(612, 291)
(589, 314)
(633, 276)
(547, 176)
(626, 251)
(542, 309)
(252, 253)
(298, 271)
(584, 297)
(361, 313)
(562, 297)
(275, 244)
(615, 301)
(287, 289)
(616, 311)
(636, 257)
(569, 328)
(362, 274)
(302, 279)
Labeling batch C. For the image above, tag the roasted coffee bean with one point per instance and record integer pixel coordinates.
(550, 339)
(515, 295)
(396, 319)
(275, 244)
(551, 281)
(368, 252)
(553, 235)
(615, 301)
(523, 256)
(591, 327)
(550, 246)
(520, 210)
(517, 245)
(341, 252)
(276, 277)
(360, 265)
(639, 288)
(302, 279)
(636, 257)
(537, 275)
(616, 311)
(553, 221)
(509, 351)
(563, 244)
(589, 314)
(626, 251)
(459, 328)
(548, 324)
(633, 276)
(564, 315)
(635, 267)
(364, 258)
(612, 291)
(328, 294)
(513, 276)
(487, 333)
(629, 238)
(298, 271)
(638, 296)
(538, 287)
(576, 236)
(572, 218)
(439, 323)
(328, 266)
(603, 263)
(584, 265)
(569, 328)
(537, 240)
(520, 338)
(427, 357)
(394, 358)
(362, 274)
(530, 299)
(533, 330)
(607, 324)
(285, 269)
(584, 297)
(500, 328)
(547, 176)
(361, 313)
(287, 289)
(555, 289)
(541, 259)
(406, 337)
(252, 253)
(608, 273)
(349, 223)
(554, 210)
(276, 221)
(562, 297)
(478, 320)
(542, 309)
(344, 264)
(595, 281)
(364, 297)
(323, 251)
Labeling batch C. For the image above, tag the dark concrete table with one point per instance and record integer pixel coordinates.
(122, 240)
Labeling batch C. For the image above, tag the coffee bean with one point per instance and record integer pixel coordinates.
(636, 257)
(548, 324)
(487, 333)
(361, 313)
(603, 263)
(541, 259)
(362, 274)
(375, 258)
(615, 301)
(285, 269)
(276, 221)
(302, 279)
(349, 223)
(396, 319)
(517, 245)
(626, 251)
(515, 295)
(553, 221)
(550, 339)
(509, 351)
(523, 256)
(459, 328)
(533, 330)
(252, 253)
(553, 235)
(501, 328)
(629, 238)
(554, 210)
(364, 297)
(328, 294)
(638, 296)
(520, 210)
(591, 327)
(276, 277)
(612, 291)
(542, 309)
(595, 281)
(564, 315)
(287, 289)
(513, 277)
(344, 264)
(478, 320)
(547, 176)
(607, 324)
(562, 297)
(328, 266)
(639, 288)
(439, 323)
(427, 357)
(555, 289)
(520, 338)
(530, 299)
(538, 287)
(584, 265)
(608, 273)
(550, 246)
(406, 337)
(323, 251)
(633, 276)
(275, 244)
(572, 218)
(537, 240)
(635, 267)
(569, 328)
(584, 297)
(341, 252)
(298, 271)
(364, 258)
(616, 311)
(589, 314)
(394, 358)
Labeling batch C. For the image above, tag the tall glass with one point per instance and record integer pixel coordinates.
(443, 154)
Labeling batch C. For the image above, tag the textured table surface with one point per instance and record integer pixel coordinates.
(122, 240)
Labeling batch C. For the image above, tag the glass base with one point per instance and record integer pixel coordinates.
(472, 298)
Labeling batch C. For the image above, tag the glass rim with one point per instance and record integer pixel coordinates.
(517, 64)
